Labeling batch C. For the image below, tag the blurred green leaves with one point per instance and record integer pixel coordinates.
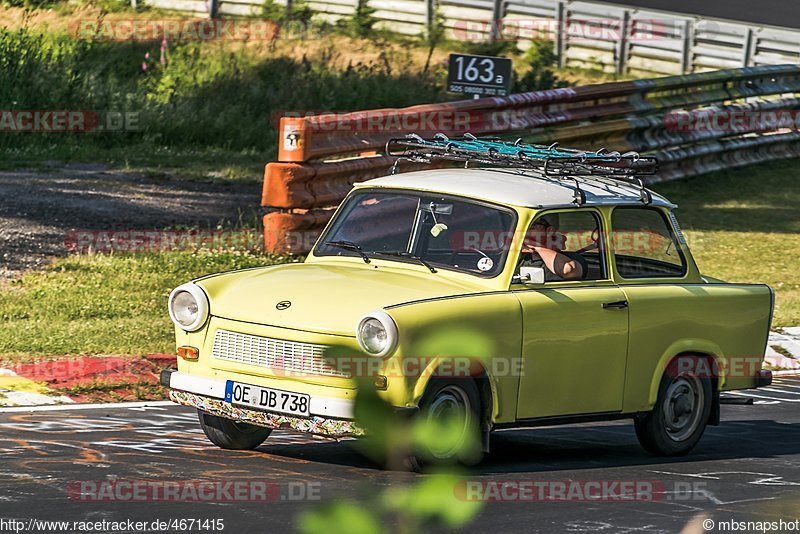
(340, 518)
(392, 436)
(431, 502)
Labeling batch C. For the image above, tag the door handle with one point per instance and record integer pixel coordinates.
(615, 305)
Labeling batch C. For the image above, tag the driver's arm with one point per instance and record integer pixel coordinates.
(559, 264)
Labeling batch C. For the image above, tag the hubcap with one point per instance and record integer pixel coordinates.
(450, 406)
(683, 407)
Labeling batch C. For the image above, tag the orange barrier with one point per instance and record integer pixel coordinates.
(313, 185)
(294, 231)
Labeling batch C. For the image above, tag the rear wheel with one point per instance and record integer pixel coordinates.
(680, 415)
(448, 402)
(230, 434)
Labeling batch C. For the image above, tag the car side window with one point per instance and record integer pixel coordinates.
(575, 234)
(645, 245)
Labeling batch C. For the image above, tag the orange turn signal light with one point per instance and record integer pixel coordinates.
(189, 353)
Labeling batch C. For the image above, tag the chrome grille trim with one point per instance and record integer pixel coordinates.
(277, 354)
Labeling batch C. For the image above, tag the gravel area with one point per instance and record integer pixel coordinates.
(39, 208)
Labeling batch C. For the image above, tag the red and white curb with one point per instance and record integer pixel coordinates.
(16, 390)
(74, 379)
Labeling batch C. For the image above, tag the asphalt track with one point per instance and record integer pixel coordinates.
(745, 468)
(769, 12)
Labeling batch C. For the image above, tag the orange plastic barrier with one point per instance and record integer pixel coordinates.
(313, 185)
(294, 231)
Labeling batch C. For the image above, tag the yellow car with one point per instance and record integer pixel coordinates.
(439, 285)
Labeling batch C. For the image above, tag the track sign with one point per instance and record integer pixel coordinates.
(479, 75)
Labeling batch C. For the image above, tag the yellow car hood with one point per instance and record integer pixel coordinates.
(325, 297)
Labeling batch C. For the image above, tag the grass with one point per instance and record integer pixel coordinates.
(104, 304)
(223, 95)
(219, 100)
(744, 226)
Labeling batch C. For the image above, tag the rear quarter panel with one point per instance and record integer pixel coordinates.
(727, 321)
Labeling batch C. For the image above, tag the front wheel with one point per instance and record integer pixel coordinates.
(230, 434)
(454, 403)
(680, 415)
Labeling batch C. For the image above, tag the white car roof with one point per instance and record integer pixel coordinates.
(518, 187)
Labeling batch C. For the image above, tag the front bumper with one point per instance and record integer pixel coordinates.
(330, 417)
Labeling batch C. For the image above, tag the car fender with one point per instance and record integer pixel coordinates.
(700, 347)
(430, 374)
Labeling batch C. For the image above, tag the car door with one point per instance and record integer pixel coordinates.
(575, 333)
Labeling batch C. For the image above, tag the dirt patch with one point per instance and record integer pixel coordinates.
(39, 208)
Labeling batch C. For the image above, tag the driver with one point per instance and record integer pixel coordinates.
(544, 246)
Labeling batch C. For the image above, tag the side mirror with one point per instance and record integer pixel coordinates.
(531, 275)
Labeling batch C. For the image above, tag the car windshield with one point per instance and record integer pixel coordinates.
(440, 231)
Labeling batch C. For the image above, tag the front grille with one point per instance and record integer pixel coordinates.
(277, 354)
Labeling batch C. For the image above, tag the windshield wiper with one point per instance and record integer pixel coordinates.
(349, 245)
(402, 254)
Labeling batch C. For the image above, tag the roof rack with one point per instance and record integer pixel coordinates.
(552, 160)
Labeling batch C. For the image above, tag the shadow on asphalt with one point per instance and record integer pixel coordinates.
(582, 447)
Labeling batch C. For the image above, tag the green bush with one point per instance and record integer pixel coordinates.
(361, 23)
(541, 61)
(297, 11)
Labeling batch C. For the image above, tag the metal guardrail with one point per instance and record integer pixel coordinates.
(589, 35)
(694, 124)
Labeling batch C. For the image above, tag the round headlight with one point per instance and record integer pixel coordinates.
(377, 334)
(188, 307)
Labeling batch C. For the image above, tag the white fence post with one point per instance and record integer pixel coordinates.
(688, 43)
(430, 13)
(561, 31)
(498, 13)
(747, 52)
(622, 44)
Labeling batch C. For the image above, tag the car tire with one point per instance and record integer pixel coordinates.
(230, 434)
(680, 414)
(448, 397)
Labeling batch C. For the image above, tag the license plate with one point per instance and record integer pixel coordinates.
(273, 400)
